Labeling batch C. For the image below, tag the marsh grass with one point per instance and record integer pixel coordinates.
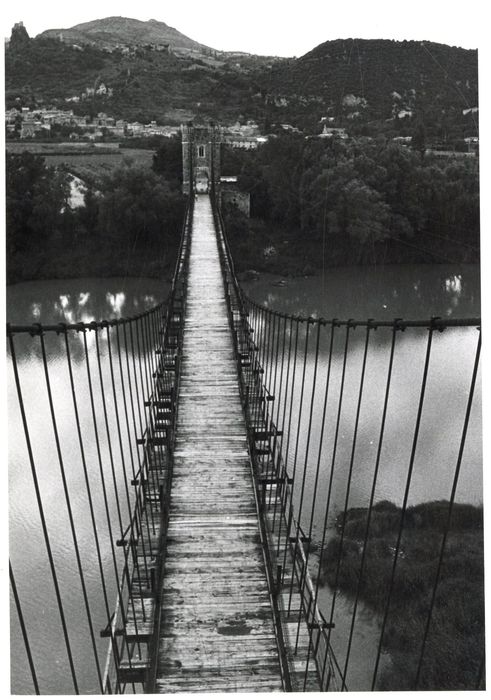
(455, 643)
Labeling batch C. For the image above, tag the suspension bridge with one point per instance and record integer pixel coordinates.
(207, 480)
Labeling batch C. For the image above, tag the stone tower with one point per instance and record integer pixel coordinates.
(200, 157)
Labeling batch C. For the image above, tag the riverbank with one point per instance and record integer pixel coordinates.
(276, 250)
(82, 256)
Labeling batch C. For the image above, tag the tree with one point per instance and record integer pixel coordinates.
(232, 160)
(418, 141)
(88, 215)
(37, 212)
(405, 185)
(36, 196)
(140, 211)
(167, 161)
(357, 211)
(282, 163)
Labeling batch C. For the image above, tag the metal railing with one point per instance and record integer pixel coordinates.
(115, 384)
(344, 416)
(352, 426)
(257, 401)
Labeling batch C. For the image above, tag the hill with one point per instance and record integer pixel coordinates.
(152, 71)
(112, 32)
(358, 80)
(142, 83)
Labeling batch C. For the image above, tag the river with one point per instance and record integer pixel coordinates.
(410, 292)
(59, 301)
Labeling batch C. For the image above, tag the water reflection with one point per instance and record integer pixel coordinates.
(36, 310)
(116, 302)
(71, 301)
(386, 292)
(65, 301)
(453, 285)
(415, 293)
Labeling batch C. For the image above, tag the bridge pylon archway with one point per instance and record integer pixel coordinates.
(201, 146)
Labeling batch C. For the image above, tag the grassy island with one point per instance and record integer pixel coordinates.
(455, 644)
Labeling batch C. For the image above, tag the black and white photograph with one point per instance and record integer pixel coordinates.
(245, 255)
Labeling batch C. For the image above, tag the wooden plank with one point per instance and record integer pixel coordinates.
(217, 632)
(132, 672)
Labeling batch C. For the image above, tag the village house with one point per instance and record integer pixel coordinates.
(11, 115)
(28, 128)
(231, 194)
(290, 129)
(244, 142)
(328, 132)
(102, 120)
(135, 129)
(80, 121)
(403, 140)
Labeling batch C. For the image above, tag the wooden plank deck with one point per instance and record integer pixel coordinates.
(217, 632)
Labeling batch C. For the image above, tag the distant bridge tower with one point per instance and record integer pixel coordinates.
(200, 157)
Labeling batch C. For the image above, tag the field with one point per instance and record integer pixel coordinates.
(86, 161)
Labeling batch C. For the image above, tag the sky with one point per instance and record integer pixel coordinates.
(289, 28)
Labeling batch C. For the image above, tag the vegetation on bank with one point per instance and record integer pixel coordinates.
(455, 644)
(325, 202)
(314, 203)
(130, 225)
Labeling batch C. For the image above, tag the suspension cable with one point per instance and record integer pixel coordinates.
(23, 629)
(42, 516)
(450, 509)
(69, 509)
(405, 500)
(371, 502)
